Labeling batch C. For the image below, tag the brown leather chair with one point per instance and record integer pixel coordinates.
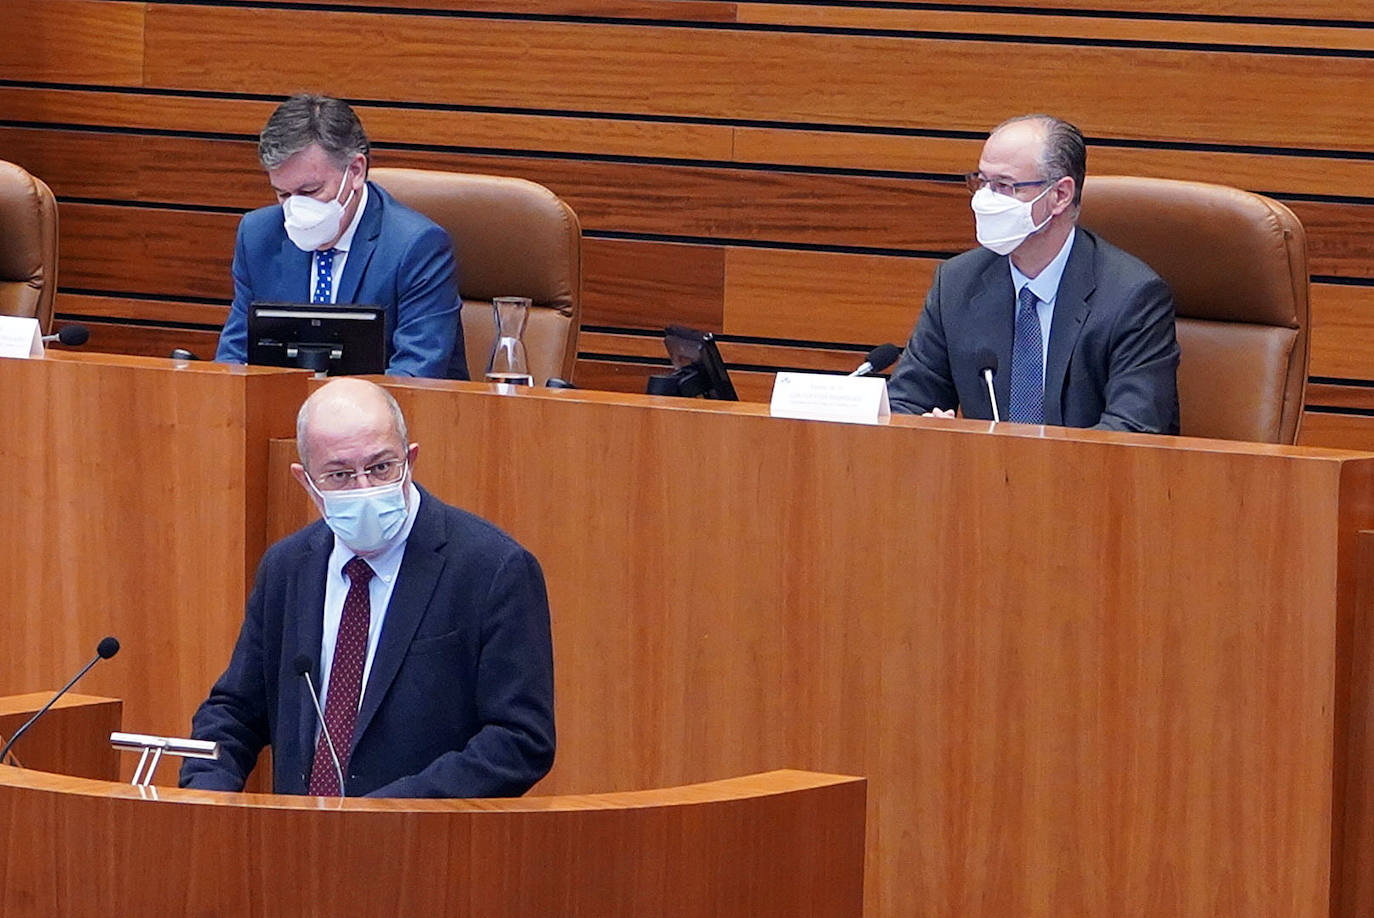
(512, 238)
(28, 246)
(1237, 264)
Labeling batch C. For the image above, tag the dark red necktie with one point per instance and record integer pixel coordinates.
(345, 681)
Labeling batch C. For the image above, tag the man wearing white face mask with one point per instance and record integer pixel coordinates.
(335, 237)
(425, 629)
(1080, 333)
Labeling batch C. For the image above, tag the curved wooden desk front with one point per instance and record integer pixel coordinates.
(784, 843)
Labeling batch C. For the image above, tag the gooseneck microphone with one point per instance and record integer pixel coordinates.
(987, 364)
(303, 665)
(70, 335)
(107, 648)
(878, 359)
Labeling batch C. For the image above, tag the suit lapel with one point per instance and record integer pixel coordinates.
(307, 605)
(294, 279)
(992, 317)
(364, 244)
(419, 575)
(1070, 310)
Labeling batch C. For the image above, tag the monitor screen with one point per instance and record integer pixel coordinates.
(337, 340)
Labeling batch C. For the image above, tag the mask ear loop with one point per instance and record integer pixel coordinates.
(351, 191)
(1032, 202)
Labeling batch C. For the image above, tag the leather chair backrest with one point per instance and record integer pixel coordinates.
(1237, 265)
(28, 246)
(512, 238)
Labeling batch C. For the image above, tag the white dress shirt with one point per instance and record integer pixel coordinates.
(340, 256)
(385, 567)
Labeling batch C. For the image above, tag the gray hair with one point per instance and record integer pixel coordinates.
(398, 422)
(306, 118)
(1064, 153)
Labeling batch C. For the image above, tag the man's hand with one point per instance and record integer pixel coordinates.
(939, 413)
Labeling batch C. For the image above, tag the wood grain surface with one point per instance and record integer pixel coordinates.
(138, 511)
(699, 131)
(786, 843)
(72, 738)
(1085, 673)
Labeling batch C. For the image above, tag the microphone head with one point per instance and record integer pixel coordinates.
(883, 356)
(74, 336)
(987, 360)
(107, 647)
(302, 664)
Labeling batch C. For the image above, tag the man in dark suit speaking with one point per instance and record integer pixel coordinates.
(334, 237)
(425, 629)
(1080, 333)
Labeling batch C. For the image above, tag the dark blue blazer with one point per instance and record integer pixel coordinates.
(400, 260)
(459, 700)
(1113, 355)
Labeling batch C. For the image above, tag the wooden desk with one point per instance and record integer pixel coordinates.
(781, 845)
(134, 506)
(71, 738)
(1085, 673)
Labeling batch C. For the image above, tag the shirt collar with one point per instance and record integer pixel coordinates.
(387, 564)
(1045, 285)
(346, 240)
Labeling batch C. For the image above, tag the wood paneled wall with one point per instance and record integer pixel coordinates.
(783, 173)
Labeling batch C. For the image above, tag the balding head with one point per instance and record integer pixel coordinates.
(345, 411)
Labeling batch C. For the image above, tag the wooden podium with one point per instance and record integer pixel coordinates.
(778, 845)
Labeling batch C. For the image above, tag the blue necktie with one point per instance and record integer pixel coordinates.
(324, 276)
(1026, 399)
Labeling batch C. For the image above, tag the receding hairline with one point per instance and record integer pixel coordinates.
(346, 393)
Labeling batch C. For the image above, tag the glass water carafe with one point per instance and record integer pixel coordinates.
(508, 363)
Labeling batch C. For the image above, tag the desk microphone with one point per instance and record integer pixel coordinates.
(70, 335)
(878, 359)
(987, 361)
(107, 648)
(303, 665)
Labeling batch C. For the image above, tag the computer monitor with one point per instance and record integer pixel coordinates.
(699, 369)
(337, 340)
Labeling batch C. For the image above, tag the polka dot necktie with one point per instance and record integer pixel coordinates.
(1026, 395)
(324, 276)
(345, 681)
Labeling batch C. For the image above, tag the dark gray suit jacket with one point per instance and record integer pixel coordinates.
(1113, 356)
(459, 700)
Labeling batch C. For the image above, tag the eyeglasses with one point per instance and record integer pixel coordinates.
(977, 182)
(387, 471)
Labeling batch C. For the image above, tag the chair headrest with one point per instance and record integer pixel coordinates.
(512, 237)
(1227, 254)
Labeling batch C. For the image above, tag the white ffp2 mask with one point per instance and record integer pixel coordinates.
(311, 223)
(1004, 222)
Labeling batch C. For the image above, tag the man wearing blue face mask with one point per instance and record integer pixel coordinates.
(1077, 332)
(425, 629)
(334, 237)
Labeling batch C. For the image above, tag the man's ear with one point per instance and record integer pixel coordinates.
(303, 479)
(1064, 190)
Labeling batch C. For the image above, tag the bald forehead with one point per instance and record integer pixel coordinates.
(1014, 148)
(347, 411)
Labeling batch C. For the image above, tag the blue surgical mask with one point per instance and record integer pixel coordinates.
(365, 519)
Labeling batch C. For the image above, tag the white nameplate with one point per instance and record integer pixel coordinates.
(20, 337)
(823, 397)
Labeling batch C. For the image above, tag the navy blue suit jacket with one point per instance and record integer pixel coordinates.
(1113, 355)
(400, 260)
(459, 700)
